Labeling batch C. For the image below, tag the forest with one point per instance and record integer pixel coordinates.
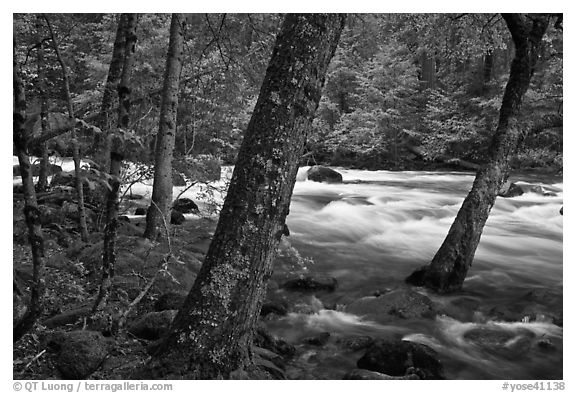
(287, 196)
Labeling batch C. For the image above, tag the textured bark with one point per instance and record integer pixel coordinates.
(162, 189)
(40, 64)
(31, 212)
(116, 156)
(211, 336)
(109, 248)
(75, 146)
(448, 269)
(109, 98)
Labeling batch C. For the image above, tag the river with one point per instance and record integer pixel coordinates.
(376, 227)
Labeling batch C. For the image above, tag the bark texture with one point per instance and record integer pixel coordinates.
(110, 97)
(40, 64)
(448, 269)
(31, 212)
(211, 336)
(116, 156)
(162, 189)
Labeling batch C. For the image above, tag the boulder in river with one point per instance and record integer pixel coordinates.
(401, 358)
(322, 174)
(185, 205)
(510, 190)
(404, 303)
(140, 211)
(311, 284)
(366, 375)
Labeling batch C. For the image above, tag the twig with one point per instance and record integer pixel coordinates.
(34, 359)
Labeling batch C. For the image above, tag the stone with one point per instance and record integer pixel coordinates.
(80, 352)
(356, 342)
(322, 174)
(153, 325)
(273, 308)
(360, 374)
(400, 358)
(318, 340)
(185, 205)
(170, 301)
(403, 303)
(176, 218)
(264, 339)
(140, 211)
(123, 219)
(542, 191)
(311, 284)
(510, 190)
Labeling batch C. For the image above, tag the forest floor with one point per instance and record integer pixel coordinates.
(73, 276)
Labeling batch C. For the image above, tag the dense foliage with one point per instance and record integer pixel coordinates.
(404, 91)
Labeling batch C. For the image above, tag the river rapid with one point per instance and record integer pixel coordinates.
(375, 228)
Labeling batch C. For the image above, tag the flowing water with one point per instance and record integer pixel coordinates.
(376, 227)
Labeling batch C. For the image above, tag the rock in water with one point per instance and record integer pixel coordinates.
(185, 205)
(403, 303)
(153, 325)
(311, 284)
(322, 174)
(400, 358)
(510, 190)
(81, 352)
(176, 218)
(140, 211)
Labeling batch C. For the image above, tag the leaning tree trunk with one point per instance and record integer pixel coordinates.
(31, 212)
(212, 334)
(116, 156)
(40, 64)
(162, 189)
(102, 143)
(448, 269)
(75, 145)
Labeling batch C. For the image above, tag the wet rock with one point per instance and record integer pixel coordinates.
(153, 325)
(318, 340)
(542, 191)
(311, 284)
(322, 174)
(403, 303)
(546, 345)
(140, 211)
(510, 190)
(176, 218)
(562, 210)
(505, 343)
(277, 308)
(399, 358)
(264, 339)
(134, 197)
(356, 343)
(80, 352)
(170, 301)
(185, 205)
(365, 375)
(123, 219)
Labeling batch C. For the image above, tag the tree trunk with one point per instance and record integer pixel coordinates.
(31, 212)
(75, 146)
(212, 334)
(40, 63)
(102, 143)
(428, 70)
(448, 269)
(162, 189)
(116, 156)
